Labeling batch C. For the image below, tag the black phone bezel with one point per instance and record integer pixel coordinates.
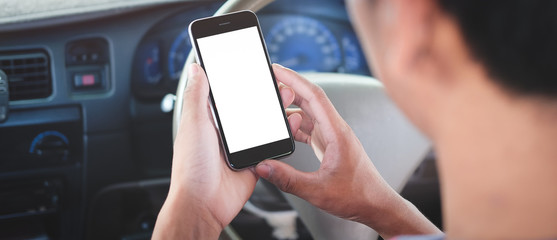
(226, 23)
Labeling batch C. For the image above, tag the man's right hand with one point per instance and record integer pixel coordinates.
(347, 183)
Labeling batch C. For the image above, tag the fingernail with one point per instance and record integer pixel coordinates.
(279, 65)
(263, 170)
(193, 70)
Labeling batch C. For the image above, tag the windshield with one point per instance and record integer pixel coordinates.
(19, 11)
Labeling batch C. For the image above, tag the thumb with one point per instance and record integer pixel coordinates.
(287, 178)
(197, 90)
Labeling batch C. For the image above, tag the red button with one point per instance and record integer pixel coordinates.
(88, 79)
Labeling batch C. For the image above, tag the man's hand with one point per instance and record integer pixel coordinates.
(346, 184)
(205, 194)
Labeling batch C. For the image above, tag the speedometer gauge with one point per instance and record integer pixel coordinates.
(178, 54)
(304, 44)
(354, 60)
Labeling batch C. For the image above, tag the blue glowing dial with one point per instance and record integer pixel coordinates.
(304, 44)
(151, 63)
(178, 54)
(354, 59)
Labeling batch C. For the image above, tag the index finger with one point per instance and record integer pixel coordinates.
(310, 97)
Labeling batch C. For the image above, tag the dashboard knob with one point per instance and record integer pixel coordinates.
(167, 103)
(51, 145)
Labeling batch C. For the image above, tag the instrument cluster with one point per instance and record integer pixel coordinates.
(305, 41)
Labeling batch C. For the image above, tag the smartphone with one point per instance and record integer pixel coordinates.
(244, 95)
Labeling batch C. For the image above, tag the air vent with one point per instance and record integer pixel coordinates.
(28, 74)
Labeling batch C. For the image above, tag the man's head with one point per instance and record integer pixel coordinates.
(434, 54)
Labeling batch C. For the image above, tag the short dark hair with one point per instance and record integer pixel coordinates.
(515, 40)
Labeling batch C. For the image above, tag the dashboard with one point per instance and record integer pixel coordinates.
(85, 150)
(309, 38)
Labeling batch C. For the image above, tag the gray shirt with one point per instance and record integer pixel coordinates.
(420, 237)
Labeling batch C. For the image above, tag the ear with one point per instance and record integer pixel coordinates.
(405, 53)
(410, 32)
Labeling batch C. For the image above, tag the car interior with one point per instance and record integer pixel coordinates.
(90, 94)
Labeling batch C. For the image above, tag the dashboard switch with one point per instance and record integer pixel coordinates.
(88, 66)
(89, 51)
(87, 80)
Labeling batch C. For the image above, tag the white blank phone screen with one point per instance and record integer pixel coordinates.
(243, 89)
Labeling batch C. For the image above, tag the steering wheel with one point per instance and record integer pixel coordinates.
(395, 146)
